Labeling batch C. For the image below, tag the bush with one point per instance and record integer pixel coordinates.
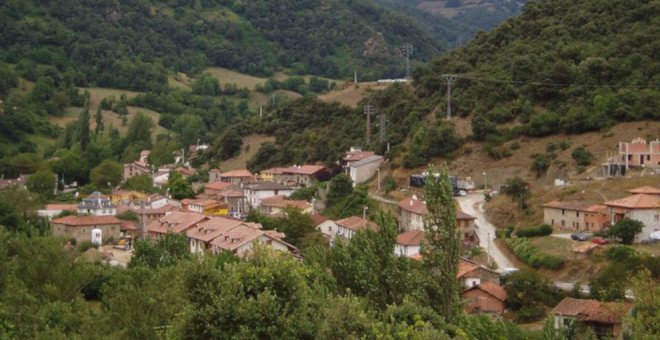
(543, 230)
(86, 245)
(621, 253)
(531, 255)
(582, 156)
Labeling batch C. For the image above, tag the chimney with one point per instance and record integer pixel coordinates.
(411, 203)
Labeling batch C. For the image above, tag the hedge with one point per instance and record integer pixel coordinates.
(531, 255)
(543, 230)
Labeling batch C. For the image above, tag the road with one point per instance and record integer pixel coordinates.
(473, 204)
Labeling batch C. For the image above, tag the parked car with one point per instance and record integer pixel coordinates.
(600, 240)
(580, 236)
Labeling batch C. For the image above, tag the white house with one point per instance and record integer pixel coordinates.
(255, 192)
(347, 227)
(326, 226)
(97, 204)
(409, 243)
(360, 165)
(641, 207)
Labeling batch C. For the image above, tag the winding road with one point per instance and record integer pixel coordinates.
(473, 204)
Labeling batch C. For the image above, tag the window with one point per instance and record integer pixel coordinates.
(563, 223)
(562, 211)
(577, 214)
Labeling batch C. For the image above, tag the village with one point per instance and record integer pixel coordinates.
(215, 220)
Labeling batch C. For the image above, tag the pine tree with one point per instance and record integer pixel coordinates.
(441, 249)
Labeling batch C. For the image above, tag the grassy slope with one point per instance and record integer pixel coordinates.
(251, 145)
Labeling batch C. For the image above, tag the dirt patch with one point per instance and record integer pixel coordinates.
(251, 145)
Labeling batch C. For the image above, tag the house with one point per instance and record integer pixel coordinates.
(576, 216)
(214, 175)
(149, 214)
(486, 297)
(80, 227)
(241, 239)
(605, 319)
(128, 229)
(20, 181)
(134, 169)
(200, 236)
(472, 274)
(237, 177)
(52, 210)
(277, 204)
(161, 178)
(207, 207)
(409, 243)
(642, 207)
(97, 204)
(175, 222)
(412, 212)
(302, 175)
(360, 165)
(347, 227)
(214, 188)
(156, 201)
(647, 190)
(255, 192)
(326, 226)
(119, 197)
(195, 150)
(640, 153)
(270, 175)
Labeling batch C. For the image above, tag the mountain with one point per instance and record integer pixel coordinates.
(457, 21)
(129, 44)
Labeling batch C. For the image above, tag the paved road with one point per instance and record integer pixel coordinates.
(472, 204)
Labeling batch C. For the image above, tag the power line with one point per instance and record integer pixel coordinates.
(518, 82)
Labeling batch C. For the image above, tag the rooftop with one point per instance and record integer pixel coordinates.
(176, 222)
(81, 221)
(318, 219)
(410, 238)
(649, 190)
(237, 173)
(280, 201)
(354, 156)
(640, 201)
(592, 310)
(491, 288)
(304, 169)
(417, 206)
(218, 185)
(357, 223)
(267, 186)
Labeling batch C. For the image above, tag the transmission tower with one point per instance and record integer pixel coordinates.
(368, 111)
(451, 79)
(408, 50)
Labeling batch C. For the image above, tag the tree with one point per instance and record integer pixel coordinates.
(626, 229)
(163, 253)
(108, 174)
(98, 117)
(645, 321)
(144, 183)
(517, 189)
(340, 187)
(179, 186)
(529, 294)
(42, 182)
(139, 129)
(228, 144)
(441, 246)
(541, 165)
(190, 128)
(83, 126)
(582, 156)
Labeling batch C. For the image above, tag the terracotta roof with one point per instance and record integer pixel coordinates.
(280, 201)
(357, 223)
(577, 206)
(236, 237)
(585, 248)
(414, 206)
(354, 156)
(592, 310)
(274, 171)
(463, 216)
(465, 267)
(215, 170)
(64, 207)
(237, 173)
(218, 185)
(641, 201)
(206, 203)
(410, 238)
(80, 221)
(186, 171)
(491, 288)
(128, 225)
(304, 169)
(175, 222)
(649, 190)
(318, 219)
(231, 193)
(267, 186)
(214, 227)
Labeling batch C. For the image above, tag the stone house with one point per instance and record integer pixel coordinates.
(576, 216)
(487, 298)
(80, 227)
(641, 207)
(346, 228)
(237, 177)
(409, 243)
(255, 192)
(472, 274)
(302, 175)
(412, 212)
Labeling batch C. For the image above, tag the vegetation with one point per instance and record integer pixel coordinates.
(531, 255)
(529, 295)
(542, 230)
(625, 230)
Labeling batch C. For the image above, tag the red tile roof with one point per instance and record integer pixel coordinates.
(305, 169)
(128, 225)
(80, 221)
(216, 226)
(649, 190)
(218, 186)
(641, 201)
(318, 219)
(175, 222)
(63, 207)
(592, 310)
(418, 207)
(354, 156)
(410, 238)
(465, 267)
(280, 201)
(491, 288)
(357, 223)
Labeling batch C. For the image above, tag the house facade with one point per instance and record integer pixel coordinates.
(644, 208)
(81, 227)
(576, 216)
(640, 152)
(412, 212)
(486, 298)
(237, 177)
(255, 192)
(52, 210)
(346, 228)
(97, 204)
(278, 204)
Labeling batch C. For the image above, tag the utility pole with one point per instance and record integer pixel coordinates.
(451, 79)
(408, 50)
(369, 110)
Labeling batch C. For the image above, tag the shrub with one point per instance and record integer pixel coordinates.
(85, 245)
(620, 253)
(582, 156)
(531, 255)
(543, 230)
